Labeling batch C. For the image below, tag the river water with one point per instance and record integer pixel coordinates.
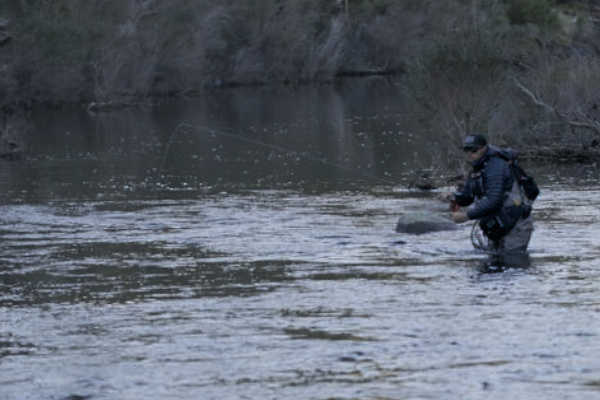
(242, 246)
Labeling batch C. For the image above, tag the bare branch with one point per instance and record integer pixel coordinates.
(587, 124)
(592, 125)
(535, 99)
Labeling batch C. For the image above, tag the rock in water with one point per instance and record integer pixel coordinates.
(418, 223)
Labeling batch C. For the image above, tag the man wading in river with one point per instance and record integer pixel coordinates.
(494, 197)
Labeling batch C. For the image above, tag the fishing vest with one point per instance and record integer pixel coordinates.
(513, 208)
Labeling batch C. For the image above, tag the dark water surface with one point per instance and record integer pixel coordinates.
(242, 246)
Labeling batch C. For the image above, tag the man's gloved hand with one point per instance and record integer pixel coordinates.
(459, 217)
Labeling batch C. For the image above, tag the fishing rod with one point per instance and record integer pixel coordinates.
(187, 127)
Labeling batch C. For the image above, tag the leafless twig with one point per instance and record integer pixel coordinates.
(580, 122)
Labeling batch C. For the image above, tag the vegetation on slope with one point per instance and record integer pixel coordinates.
(524, 70)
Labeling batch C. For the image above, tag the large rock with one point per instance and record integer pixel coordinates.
(417, 223)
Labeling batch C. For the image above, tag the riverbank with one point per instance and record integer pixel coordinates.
(522, 74)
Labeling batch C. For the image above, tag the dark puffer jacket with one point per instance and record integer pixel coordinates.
(488, 185)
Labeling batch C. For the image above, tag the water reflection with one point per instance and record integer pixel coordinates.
(253, 137)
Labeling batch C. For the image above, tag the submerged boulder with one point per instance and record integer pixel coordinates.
(418, 223)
